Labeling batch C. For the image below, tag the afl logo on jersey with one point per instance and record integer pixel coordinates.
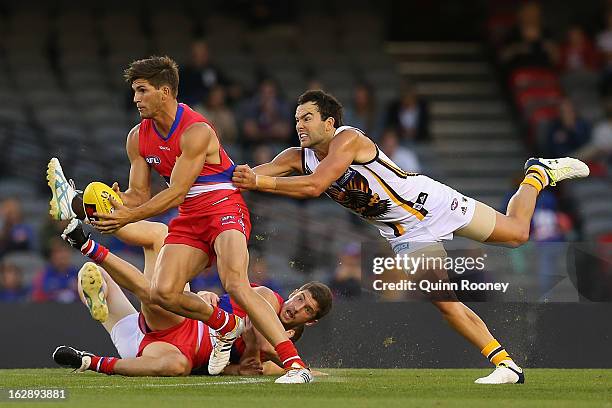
(151, 160)
(454, 204)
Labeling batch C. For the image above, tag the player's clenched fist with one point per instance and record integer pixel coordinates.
(244, 177)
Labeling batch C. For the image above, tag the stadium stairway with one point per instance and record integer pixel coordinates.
(476, 146)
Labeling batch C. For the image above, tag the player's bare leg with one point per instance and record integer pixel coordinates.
(176, 265)
(512, 229)
(118, 304)
(158, 359)
(465, 322)
(232, 262)
(123, 273)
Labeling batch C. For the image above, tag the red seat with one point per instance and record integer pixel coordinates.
(522, 78)
(532, 98)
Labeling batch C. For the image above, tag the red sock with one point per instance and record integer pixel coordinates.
(221, 321)
(95, 251)
(104, 365)
(288, 355)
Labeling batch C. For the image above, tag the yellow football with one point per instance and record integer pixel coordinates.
(95, 199)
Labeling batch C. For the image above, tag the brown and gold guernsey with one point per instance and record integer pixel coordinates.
(394, 200)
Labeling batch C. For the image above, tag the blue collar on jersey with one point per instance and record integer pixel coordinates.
(177, 119)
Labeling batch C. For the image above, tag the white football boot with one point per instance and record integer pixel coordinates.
(220, 356)
(296, 375)
(63, 192)
(560, 169)
(507, 372)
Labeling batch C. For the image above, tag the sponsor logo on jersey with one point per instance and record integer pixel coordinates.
(346, 177)
(420, 201)
(228, 219)
(454, 204)
(463, 210)
(151, 160)
(164, 148)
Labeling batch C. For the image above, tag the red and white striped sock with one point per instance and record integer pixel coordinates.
(104, 365)
(221, 321)
(96, 252)
(289, 356)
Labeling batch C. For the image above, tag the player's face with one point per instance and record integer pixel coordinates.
(147, 98)
(298, 309)
(308, 124)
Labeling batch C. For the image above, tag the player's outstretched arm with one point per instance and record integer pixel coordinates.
(194, 146)
(284, 164)
(343, 150)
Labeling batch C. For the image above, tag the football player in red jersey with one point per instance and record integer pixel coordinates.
(213, 222)
(160, 343)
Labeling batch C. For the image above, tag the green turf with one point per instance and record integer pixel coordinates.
(342, 388)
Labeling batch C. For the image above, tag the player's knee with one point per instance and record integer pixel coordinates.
(161, 230)
(173, 367)
(238, 289)
(521, 236)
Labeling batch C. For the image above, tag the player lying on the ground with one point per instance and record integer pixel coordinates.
(160, 343)
(413, 212)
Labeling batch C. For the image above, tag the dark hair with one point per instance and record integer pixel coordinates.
(328, 105)
(322, 294)
(158, 71)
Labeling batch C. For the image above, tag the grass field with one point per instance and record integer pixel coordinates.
(342, 388)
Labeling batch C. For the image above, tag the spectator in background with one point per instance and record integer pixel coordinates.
(567, 133)
(57, 282)
(528, 44)
(200, 76)
(216, 110)
(266, 117)
(12, 288)
(363, 112)
(600, 145)
(410, 116)
(402, 156)
(346, 282)
(15, 234)
(604, 46)
(578, 52)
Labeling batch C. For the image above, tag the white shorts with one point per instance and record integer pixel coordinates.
(451, 211)
(126, 336)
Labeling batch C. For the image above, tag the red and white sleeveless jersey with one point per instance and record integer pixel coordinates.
(161, 153)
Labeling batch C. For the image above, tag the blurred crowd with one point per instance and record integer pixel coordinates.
(255, 126)
(560, 83)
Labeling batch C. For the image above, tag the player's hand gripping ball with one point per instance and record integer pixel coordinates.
(95, 199)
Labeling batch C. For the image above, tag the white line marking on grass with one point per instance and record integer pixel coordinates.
(137, 385)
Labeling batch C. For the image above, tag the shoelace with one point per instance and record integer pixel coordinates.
(71, 182)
